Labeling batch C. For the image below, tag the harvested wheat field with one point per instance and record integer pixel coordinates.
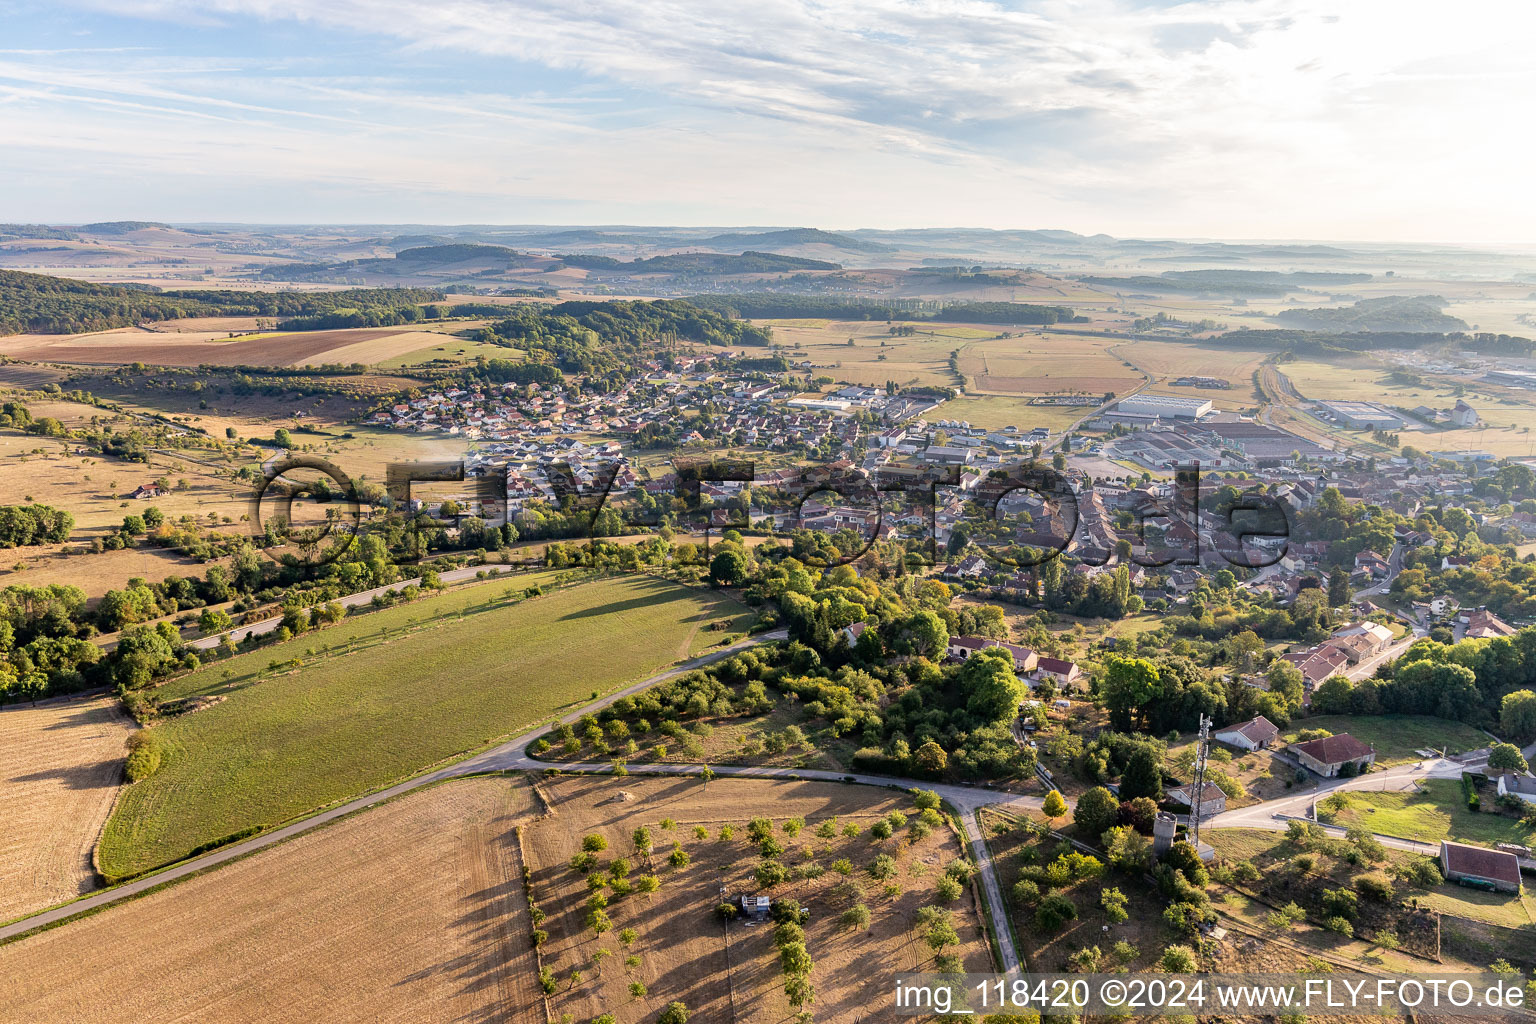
(411, 912)
(60, 767)
(214, 348)
(731, 972)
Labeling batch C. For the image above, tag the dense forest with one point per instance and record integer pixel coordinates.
(1417, 313)
(40, 304)
(13, 232)
(756, 305)
(606, 339)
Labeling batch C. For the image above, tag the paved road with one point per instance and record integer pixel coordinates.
(358, 599)
(1272, 814)
(511, 750)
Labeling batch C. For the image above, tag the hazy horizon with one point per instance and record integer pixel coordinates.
(1218, 119)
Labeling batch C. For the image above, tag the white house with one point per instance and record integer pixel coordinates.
(1254, 734)
(1522, 787)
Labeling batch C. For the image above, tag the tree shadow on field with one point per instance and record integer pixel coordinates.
(491, 927)
(613, 607)
(96, 775)
(81, 717)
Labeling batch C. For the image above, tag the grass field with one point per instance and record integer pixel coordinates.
(916, 359)
(413, 911)
(1396, 737)
(1438, 812)
(461, 350)
(732, 973)
(60, 767)
(276, 743)
(1042, 364)
(997, 411)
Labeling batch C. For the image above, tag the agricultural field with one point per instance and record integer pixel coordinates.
(97, 573)
(1396, 737)
(305, 723)
(411, 911)
(1044, 363)
(215, 347)
(450, 349)
(917, 359)
(1015, 846)
(1166, 361)
(1435, 811)
(61, 763)
(681, 949)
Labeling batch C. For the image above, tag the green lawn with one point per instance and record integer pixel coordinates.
(1396, 737)
(1439, 812)
(386, 694)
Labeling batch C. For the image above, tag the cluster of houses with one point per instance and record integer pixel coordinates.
(1345, 648)
(1032, 667)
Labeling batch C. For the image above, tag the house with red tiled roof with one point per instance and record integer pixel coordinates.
(1331, 756)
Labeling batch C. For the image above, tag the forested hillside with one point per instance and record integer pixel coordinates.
(610, 337)
(40, 304)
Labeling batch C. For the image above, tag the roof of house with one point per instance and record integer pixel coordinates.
(1258, 730)
(1055, 665)
(1334, 749)
(1481, 623)
(1480, 861)
(1517, 783)
(857, 629)
(1181, 794)
(981, 643)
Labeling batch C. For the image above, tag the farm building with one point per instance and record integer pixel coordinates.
(1254, 734)
(1479, 867)
(1212, 799)
(1335, 755)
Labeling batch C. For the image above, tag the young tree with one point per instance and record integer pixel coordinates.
(1055, 806)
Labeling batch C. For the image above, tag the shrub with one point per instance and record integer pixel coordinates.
(950, 889)
(1341, 925)
(594, 843)
(1054, 911)
(769, 873)
(1026, 892)
(1178, 960)
(843, 866)
(1374, 886)
(143, 755)
(883, 867)
(1341, 903)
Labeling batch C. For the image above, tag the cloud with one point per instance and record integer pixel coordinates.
(1280, 117)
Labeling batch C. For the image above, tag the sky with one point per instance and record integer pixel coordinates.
(1387, 120)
